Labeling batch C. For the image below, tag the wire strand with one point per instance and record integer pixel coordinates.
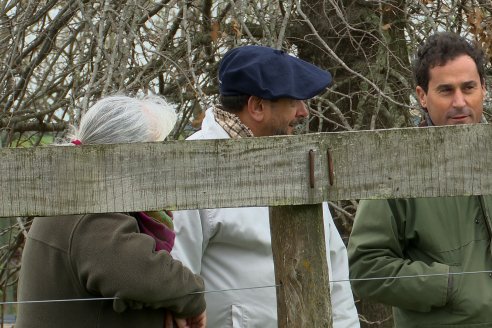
(255, 287)
(62, 300)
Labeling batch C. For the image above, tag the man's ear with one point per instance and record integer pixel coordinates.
(255, 109)
(422, 96)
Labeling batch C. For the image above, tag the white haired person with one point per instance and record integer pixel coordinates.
(111, 269)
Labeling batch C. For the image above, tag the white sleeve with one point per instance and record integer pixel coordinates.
(342, 299)
(190, 242)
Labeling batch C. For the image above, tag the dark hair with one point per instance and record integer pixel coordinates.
(441, 48)
(233, 104)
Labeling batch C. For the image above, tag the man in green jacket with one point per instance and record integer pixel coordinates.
(424, 242)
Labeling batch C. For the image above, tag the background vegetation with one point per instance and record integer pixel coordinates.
(58, 57)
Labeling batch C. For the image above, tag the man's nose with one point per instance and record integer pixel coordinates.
(302, 110)
(459, 99)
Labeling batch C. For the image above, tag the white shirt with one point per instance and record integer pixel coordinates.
(231, 249)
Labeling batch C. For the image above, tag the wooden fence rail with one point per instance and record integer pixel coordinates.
(279, 172)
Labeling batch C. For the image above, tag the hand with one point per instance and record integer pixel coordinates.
(199, 321)
(168, 320)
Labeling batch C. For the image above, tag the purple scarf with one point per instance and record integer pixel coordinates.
(163, 236)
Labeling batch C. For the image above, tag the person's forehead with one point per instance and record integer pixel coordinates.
(456, 71)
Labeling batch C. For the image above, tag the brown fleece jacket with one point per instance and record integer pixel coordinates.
(101, 255)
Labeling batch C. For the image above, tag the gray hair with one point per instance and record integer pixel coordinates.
(123, 119)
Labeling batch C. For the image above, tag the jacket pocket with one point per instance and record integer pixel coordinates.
(238, 316)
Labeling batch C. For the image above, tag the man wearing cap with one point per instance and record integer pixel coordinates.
(261, 94)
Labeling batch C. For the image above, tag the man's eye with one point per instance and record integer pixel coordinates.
(469, 88)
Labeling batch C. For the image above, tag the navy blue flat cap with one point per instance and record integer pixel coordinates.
(269, 74)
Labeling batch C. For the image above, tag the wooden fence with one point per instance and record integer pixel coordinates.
(293, 175)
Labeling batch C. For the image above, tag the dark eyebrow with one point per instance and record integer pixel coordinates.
(471, 83)
(465, 84)
(441, 87)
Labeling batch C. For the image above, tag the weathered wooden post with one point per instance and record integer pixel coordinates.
(298, 246)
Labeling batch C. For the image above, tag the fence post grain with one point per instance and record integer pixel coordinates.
(298, 246)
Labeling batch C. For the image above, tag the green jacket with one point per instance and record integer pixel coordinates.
(425, 237)
(101, 255)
